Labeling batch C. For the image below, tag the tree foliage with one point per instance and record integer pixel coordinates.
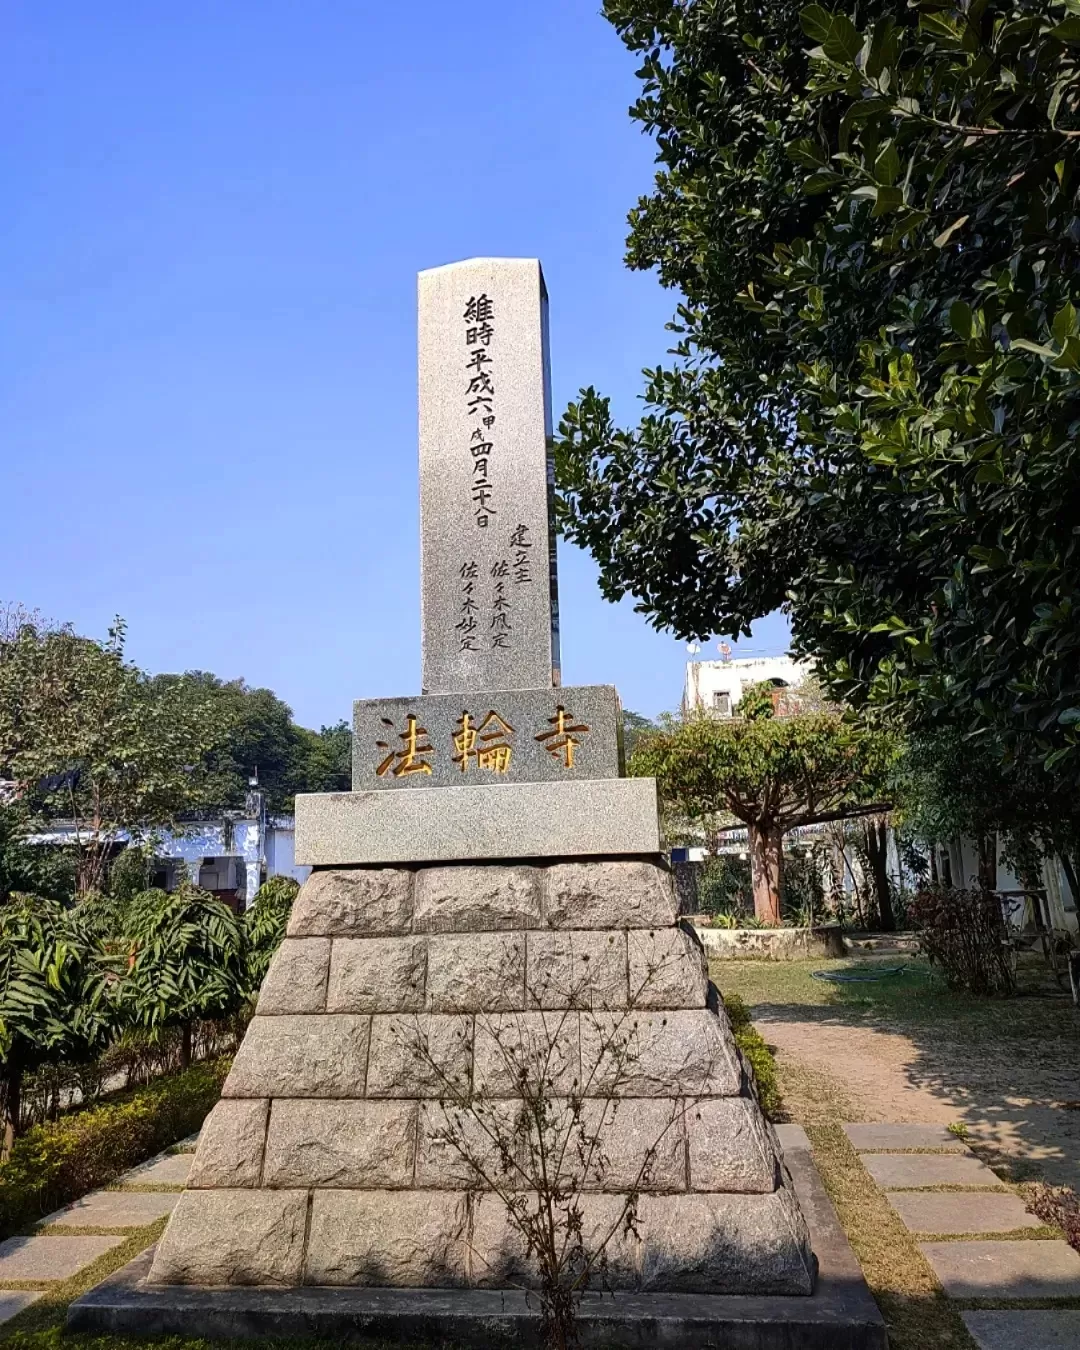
(772, 773)
(872, 410)
(264, 927)
(88, 738)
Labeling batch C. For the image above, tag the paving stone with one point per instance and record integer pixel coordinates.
(377, 974)
(326, 1143)
(729, 1146)
(881, 1137)
(604, 893)
(418, 1055)
(231, 1148)
(13, 1301)
(1024, 1268)
(116, 1209)
(313, 1056)
(190, 1144)
(403, 1239)
(296, 980)
(50, 1257)
(1032, 1328)
(904, 1171)
(476, 972)
(667, 969)
(170, 1169)
(233, 1237)
(476, 898)
(577, 969)
(961, 1211)
(353, 902)
(792, 1138)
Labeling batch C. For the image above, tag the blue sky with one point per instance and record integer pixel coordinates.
(214, 215)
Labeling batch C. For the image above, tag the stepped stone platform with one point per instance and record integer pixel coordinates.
(330, 1159)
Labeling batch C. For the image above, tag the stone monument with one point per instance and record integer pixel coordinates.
(490, 874)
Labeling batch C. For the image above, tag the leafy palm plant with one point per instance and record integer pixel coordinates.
(51, 1003)
(180, 960)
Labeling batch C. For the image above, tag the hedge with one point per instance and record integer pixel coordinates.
(752, 1044)
(57, 1162)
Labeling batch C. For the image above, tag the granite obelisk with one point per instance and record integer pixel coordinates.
(489, 858)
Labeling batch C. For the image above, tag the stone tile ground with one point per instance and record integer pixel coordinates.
(969, 1267)
(49, 1256)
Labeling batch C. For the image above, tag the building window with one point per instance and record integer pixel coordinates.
(722, 704)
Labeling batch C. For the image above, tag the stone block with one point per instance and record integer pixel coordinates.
(880, 1137)
(597, 817)
(400, 1239)
(499, 1256)
(658, 1054)
(286, 1056)
(607, 893)
(725, 1244)
(729, 1146)
(667, 969)
(1033, 1328)
(230, 1152)
(377, 974)
(476, 972)
(49, 1257)
(233, 1237)
(296, 980)
(343, 1144)
(353, 902)
(517, 1052)
(167, 1169)
(422, 1055)
(115, 1209)
(961, 1211)
(1005, 1268)
(909, 1171)
(13, 1301)
(506, 737)
(457, 1148)
(577, 969)
(469, 899)
(641, 1145)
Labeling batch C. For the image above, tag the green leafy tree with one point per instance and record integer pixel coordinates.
(772, 773)
(264, 927)
(88, 738)
(870, 415)
(179, 961)
(51, 1008)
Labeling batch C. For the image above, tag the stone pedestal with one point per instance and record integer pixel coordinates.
(401, 992)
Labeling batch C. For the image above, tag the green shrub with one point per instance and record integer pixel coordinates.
(264, 927)
(54, 1163)
(724, 885)
(752, 1044)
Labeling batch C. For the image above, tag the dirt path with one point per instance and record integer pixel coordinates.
(1020, 1105)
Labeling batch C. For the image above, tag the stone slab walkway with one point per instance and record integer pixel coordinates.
(907, 1161)
(50, 1255)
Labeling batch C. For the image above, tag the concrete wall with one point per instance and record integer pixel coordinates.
(705, 680)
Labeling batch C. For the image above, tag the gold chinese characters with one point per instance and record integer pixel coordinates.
(485, 745)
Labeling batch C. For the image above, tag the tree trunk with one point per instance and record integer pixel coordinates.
(933, 864)
(766, 868)
(988, 862)
(12, 1107)
(185, 1045)
(877, 843)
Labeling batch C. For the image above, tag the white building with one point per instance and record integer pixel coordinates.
(231, 856)
(717, 686)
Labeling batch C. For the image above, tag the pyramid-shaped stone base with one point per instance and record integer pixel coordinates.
(399, 1028)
